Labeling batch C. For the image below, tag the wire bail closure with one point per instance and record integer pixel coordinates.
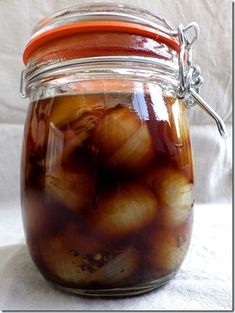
(190, 75)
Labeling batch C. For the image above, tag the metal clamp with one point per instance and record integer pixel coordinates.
(190, 76)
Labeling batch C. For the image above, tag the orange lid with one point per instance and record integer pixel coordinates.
(97, 26)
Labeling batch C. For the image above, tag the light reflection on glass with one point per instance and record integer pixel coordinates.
(158, 103)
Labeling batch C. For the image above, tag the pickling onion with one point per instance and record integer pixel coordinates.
(114, 129)
(74, 190)
(168, 249)
(125, 209)
(78, 259)
(124, 140)
(66, 108)
(174, 193)
(136, 153)
(63, 255)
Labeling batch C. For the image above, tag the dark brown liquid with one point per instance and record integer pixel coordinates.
(107, 188)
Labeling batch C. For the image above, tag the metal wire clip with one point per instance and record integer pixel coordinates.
(190, 75)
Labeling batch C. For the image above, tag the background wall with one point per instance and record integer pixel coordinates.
(213, 162)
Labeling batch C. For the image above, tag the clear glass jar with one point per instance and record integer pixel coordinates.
(107, 174)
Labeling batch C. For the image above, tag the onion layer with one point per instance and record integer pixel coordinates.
(179, 135)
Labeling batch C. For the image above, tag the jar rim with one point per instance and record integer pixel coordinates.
(91, 10)
(106, 17)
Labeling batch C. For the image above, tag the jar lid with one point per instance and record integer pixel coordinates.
(100, 17)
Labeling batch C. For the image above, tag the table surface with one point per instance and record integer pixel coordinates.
(204, 281)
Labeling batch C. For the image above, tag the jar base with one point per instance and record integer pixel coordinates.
(119, 292)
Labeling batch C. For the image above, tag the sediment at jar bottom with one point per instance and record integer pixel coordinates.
(124, 201)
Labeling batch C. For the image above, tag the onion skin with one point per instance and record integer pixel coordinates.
(174, 193)
(124, 210)
(178, 120)
(167, 249)
(76, 134)
(179, 135)
(71, 123)
(74, 190)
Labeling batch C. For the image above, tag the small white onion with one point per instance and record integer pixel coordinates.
(168, 249)
(77, 258)
(124, 210)
(74, 190)
(66, 108)
(61, 262)
(174, 193)
(114, 129)
(71, 122)
(136, 153)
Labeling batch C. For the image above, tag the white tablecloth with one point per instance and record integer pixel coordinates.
(205, 279)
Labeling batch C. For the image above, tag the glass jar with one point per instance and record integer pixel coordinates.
(107, 182)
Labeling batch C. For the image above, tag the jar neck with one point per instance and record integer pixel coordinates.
(101, 74)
